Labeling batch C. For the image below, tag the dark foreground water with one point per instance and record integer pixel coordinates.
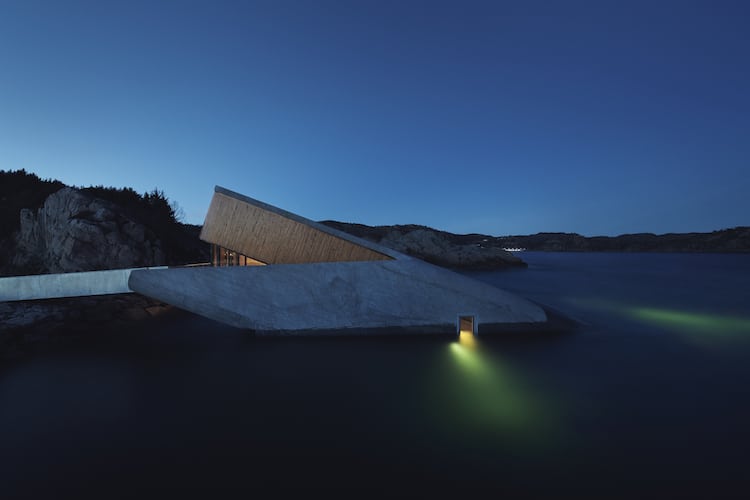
(649, 398)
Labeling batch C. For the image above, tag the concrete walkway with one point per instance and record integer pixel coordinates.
(53, 286)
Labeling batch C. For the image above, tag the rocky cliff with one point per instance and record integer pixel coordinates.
(76, 232)
(47, 227)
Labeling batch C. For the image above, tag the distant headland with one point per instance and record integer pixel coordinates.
(734, 240)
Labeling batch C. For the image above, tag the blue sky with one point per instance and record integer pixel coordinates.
(493, 117)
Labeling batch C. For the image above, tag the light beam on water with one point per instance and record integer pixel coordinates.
(699, 327)
(694, 326)
(482, 396)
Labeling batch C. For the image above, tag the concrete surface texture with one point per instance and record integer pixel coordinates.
(329, 298)
(53, 286)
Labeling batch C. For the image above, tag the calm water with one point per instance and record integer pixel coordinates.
(648, 397)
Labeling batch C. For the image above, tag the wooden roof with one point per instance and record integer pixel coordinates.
(274, 236)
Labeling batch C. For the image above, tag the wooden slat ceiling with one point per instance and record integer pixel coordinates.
(273, 238)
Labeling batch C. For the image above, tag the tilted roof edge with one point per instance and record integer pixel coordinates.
(320, 227)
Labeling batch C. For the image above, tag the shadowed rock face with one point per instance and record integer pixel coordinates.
(74, 232)
(27, 325)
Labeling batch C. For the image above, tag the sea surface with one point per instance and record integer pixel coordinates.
(648, 398)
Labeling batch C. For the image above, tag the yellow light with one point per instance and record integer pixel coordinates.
(466, 339)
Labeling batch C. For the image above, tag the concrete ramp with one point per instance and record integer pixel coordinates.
(54, 286)
(337, 297)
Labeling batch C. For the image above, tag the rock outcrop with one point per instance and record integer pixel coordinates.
(468, 252)
(30, 324)
(434, 247)
(76, 232)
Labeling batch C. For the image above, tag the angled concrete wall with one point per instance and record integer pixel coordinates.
(53, 286)
(326, 298)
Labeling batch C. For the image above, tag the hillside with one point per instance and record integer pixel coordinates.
(724, 241)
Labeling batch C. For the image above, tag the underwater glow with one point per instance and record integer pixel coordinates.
(466, 358)
(705, 325)
(486, 396)
(702, 328)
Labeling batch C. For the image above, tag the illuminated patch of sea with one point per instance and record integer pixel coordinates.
(648, 397)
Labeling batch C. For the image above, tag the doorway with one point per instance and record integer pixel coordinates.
(467, 324)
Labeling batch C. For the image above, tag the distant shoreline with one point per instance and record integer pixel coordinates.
(734, 240)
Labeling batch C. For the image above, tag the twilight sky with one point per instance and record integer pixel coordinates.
(493, 117)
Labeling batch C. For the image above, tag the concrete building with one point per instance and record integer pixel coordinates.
(278, 273)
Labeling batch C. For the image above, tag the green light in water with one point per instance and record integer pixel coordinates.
(467, 358)
(699, 326)
(702, 328)
(486, 397)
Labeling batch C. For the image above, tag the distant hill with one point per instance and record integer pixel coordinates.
(732, 240)
(437, 247)
(726, 240)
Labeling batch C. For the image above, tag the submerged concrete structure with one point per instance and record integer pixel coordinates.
(278, 273)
